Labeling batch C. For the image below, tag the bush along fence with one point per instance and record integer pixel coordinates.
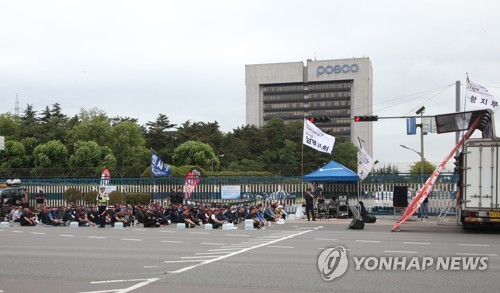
(375, 191)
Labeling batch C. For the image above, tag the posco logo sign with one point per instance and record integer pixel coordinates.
(337, 69)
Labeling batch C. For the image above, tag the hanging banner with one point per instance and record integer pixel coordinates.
(192, 179)
(105, 177)
(478, 97)
(424, 192)
(230, 191)
(158, 167)
(317, 139)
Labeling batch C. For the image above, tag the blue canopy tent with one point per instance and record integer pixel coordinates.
(332, 172)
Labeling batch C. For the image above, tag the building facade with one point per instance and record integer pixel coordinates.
(339, 89)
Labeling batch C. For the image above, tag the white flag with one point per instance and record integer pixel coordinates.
(316, 139)
(478, 97)
(365, 162)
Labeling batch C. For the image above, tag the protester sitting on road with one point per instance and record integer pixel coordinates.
(16, 214)
(27, 218)
(193, 215)
(129, 216)
(260, 214)
(53, 220)
(253, 216)
(231, 216)
(120, 217)
(280, 212)
(93, 215)
(242, 215)
(140, 214)
(216, 219)
(269, 214)
(160, 215)
(184, 218)
(202, 215)
(175, 213)
(150, 220)
(81, 218)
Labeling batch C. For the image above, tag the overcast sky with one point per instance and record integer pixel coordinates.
(186, 59)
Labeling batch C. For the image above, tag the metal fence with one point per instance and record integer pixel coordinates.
(375, 191)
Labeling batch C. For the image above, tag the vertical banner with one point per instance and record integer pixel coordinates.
(105, 177)
(192, 179)
(316, 139)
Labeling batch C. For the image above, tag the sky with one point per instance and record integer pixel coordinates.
(186, 59)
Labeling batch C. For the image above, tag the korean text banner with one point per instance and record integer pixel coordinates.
(316, 139)
(158, 167)
(478, 97)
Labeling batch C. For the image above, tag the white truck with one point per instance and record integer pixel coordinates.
(479, 183)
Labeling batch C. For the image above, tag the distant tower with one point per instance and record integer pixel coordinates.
(17, 106)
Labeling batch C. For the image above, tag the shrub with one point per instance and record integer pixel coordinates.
(116, 197)
(90, 197)
(138, 198)
(72, 195)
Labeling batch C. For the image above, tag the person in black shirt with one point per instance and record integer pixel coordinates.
(253, 215)
(172, 196)
(27, 218)
(309, 197)
(93, 215)
(150, 220)
(180, 196)
(184, 218)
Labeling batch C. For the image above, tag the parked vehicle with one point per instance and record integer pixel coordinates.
(11, 194)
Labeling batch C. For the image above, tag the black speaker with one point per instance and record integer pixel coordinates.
(356, 224)
(400, 197)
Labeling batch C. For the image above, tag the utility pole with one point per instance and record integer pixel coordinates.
(457, 109)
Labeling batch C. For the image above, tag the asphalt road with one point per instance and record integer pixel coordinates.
(281, 258)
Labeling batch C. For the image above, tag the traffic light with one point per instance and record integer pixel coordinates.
(365, 118)
(319, 119)
(458, 164)
(484, 121)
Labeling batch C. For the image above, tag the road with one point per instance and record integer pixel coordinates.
(281, 258)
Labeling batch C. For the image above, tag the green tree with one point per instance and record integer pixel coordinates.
(127, 144)
(196, 153)
(428, 168)
(14, 155)
(52, 154)
(346, 153)
(158, 137)
(10, 126)
(94, 125)
(203, 132)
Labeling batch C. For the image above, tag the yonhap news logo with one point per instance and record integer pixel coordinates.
(333, 263)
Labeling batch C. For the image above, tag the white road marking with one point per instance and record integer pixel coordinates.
(476, 254)
(17, 231)
(166, 231)
(240, 235)
(326, 239)
(235, 253)
(280, 246)
(178, 261)
(38, 233)
(171, 241)
(219, 252)
(368, 241)
(400, 251)
(204, 233)
(149, 267)
(140, 230)
(480, 245)
(97, 237)
(418, 243)
(188, 257)
(125, 290)
(206, 243)
(131, 239)
(323, 248)
(67, 235)
(224, 249)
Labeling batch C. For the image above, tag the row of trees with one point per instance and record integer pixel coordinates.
(92, 139)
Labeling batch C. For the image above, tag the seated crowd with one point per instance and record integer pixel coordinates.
(154, 215)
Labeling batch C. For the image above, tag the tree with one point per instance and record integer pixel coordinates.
(127, 144)
(346, 153)
(94, 125)
(10, 126)
(89, 154)
(428, 168)
(14, 155)
(157, 135)
(52, 154)
(203, 132)
(195, 153)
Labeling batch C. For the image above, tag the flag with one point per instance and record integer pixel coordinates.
(192, 179)
(158, 167)
(365, 162)
(316, 139)
(478, 97)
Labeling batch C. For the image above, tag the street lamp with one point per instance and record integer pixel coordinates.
(421, 157)
(212, 161)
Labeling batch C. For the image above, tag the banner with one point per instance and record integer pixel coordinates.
(365, 162)
(158, 168)
(192, 179)
(230, 192)
(316, 139)
(105, 177)
(424, 192)
(478, 97)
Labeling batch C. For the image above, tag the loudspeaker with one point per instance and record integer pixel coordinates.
(369, 218)
(356, 224)
(400, 197)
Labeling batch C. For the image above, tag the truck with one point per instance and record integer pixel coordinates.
(11, 194)
(478, 183)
